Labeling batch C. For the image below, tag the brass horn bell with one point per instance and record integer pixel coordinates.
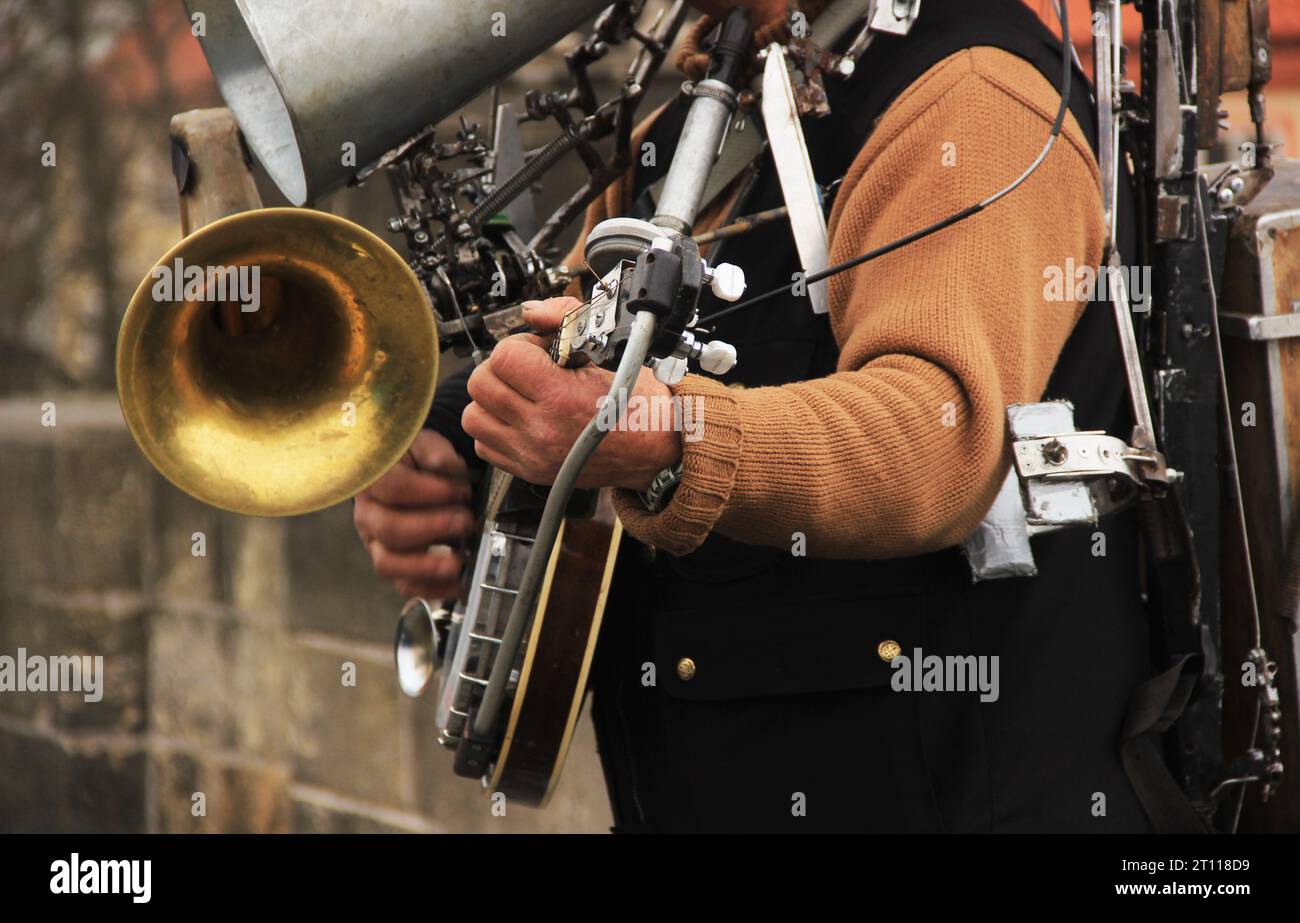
(296, 405)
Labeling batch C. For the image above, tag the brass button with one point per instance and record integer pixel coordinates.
(888, 650)
(685, 669)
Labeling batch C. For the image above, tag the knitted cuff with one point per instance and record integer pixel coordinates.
(709, 465)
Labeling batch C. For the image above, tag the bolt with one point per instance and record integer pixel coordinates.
(1054, 453)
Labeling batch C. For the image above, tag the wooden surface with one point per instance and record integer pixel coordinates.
(220, 182)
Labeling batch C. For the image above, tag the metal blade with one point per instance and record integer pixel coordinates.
(790, 152)
(509, 149)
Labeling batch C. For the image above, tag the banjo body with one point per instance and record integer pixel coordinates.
(549, 677)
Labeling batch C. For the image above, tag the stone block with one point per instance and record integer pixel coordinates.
(257, 567)
(63, 788)
(333, 587)
(180, 526)
(235, 798)
(218, 682)
(111, 627)
(99, 486)
(349, 739)
(314, 816)
(27, 557)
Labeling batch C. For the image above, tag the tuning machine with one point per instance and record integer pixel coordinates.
(727, 282)
(633, 278)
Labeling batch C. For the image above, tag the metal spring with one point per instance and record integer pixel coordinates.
(525, 177)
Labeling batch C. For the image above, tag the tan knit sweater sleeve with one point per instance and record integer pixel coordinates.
(903, 448)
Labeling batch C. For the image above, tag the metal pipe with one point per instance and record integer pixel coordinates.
(702, 133)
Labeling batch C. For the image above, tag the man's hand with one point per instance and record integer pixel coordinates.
(527, 412)
(409, 516)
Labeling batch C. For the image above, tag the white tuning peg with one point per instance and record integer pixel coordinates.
(717, 357)
(727, 282)
(670, 370)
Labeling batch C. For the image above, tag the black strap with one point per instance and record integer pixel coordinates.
(1153, 709)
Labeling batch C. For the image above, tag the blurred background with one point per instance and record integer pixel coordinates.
(223, 671)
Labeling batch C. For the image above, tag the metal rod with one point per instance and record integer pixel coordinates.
(741, 225)
(1106, 63)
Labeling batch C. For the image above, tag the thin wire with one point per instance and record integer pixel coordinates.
(1202, 227)
(1067, 50)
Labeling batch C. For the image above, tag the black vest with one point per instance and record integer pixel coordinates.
(790, 697)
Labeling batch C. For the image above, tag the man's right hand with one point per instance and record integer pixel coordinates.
(409, 517)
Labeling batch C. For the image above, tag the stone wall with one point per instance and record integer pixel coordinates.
(223, 673)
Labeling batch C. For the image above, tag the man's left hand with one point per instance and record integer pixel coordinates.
(527, 412)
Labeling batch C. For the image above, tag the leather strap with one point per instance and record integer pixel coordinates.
(1153, 709)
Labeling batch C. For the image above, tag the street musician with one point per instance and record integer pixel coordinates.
(791, 558)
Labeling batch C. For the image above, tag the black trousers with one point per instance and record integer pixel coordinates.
(790, 722)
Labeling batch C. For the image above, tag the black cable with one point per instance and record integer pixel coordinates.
(1067, 51)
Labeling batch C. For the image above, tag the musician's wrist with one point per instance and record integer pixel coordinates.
(659, 450)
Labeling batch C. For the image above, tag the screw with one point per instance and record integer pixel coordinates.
(1054, 453)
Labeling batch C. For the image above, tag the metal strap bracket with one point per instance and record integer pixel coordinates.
(1060, 477)
(1071, 456)
(1260, 326)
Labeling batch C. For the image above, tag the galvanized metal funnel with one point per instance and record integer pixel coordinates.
(321, 88)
